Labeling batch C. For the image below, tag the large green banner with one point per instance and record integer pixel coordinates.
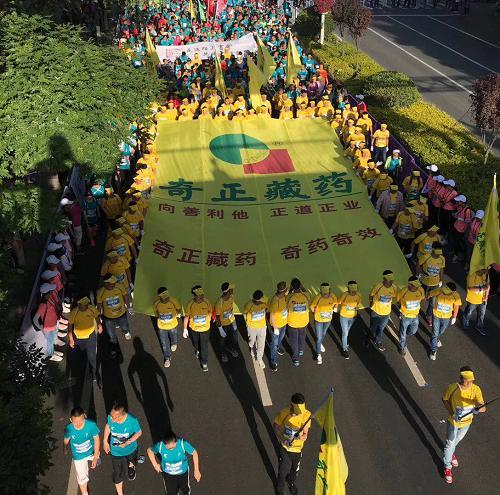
(255, 202)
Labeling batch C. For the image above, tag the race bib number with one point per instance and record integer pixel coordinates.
(385, 299)
(200, 320)
(325, 314)
(300, 308)
(166, 316)
(461, 411)
(290, 433)
(120, 249)
(173, 468)
(284, 313)
(412, 305)
(120, 278)
(113, 302)
(134, 226)
(432, 271)
(227, 315)
(444, 308)
(258, 315)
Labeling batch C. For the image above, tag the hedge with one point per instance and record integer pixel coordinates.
(390, 88)
(431, 135)
(308, 25)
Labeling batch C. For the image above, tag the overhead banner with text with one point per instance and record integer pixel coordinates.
(255, 202)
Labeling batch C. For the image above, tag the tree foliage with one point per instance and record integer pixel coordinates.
(486, 108)
(323, 6)
(341, 13)
(359, 21)
(391, 89)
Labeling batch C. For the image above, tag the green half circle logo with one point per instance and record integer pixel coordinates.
(238, 149)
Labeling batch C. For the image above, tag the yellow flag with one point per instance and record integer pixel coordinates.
(151, 50)
(331, 470)
(265, 60)
(487, 248)
(293, 63)
(220, 84)
(192, 12)
(257, 80)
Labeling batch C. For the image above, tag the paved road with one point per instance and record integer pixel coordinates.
(442, 52)
(391, 427)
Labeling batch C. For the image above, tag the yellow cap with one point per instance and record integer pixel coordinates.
(165, 293)
(83, 301)
(394, 188)
(389, 276)
(118, 231)
(111, 280)
(468, 375)
(121, 220)
(415, 283)
(446, 290)
(113, 254)
(434, 228)
(437, 251)
(199, 291)
(416, 173)
(352, 286)
(423, 198)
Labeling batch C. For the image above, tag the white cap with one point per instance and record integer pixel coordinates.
(449, 182)
(53, 260)
(61, 237)
(379, 163)
(360, 97)
(53, 246)
(461, 198)
(44, 288)
(432, 168)
(396, 151)
(48, 274)
(479, 214)
(439, 178)
(66, 201)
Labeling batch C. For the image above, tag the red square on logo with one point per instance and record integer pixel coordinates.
(277, 162)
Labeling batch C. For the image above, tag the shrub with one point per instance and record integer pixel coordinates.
(394, 89)
(308, 24)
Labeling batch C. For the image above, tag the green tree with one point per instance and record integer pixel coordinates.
(63, 101)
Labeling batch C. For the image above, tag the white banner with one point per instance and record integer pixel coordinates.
(205, 49)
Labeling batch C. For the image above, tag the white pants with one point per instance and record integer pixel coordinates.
(257, 338)
(82, 469)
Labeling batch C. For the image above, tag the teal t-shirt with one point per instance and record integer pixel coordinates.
(121, 432)
(174, 461)
(81, 441)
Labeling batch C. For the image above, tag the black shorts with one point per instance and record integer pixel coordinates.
(120, 466)
(175, 482)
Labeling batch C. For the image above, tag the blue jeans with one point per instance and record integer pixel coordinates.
(481, 311)
(321, 329)
(168, 338)
(296, 339)
(439, 325)
(432, 300)
(230, 341)
(377, 326)
(276, 343)
(379, 154)
(51, 338)
(454, 436)
(111, 324)
(407, 327)
(345, 325)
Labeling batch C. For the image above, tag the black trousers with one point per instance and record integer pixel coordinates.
(175, 482)
(200, 342)
(288, 467)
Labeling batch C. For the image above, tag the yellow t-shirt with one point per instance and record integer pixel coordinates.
(421, 210)
(298, 310)
(432, 267)
(410, 301)
(84, 321)
(406, 225)
(255, 314)
(322, 307)
(167, 313)
(302, 113)
(121, 245)
(349, 304)
(278, 311)
(113, 303)
(444, 304)
(382, 298)
(118, 269)
(301, 99)
(134, 219)
(290, 425)
(365, 124)
(424, 244)
(112, 206)
(199, 315)
(224, 309)
(476, 296)
(380, 185)
(462, 401)
(381, 138)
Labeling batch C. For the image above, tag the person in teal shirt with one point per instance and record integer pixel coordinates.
(174, 463)
(82, 435)
(120, 439)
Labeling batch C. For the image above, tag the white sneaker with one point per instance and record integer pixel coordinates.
(60, 342)
(55, 358)
(261, 364)
(128, 336)
(323, 348)
(439, 343)
(432, 356)
(62, 334)
(166, 363)
(173, 348)
(59, 353)
(319, 359)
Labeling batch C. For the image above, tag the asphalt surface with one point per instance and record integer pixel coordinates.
(391, 427)
(442, 52)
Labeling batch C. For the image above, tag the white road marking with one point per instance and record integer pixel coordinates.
(465, 32)
(415, 15)
(421, 61)
(72, 483)
(443, 45)
(265, 396)
(412, 364)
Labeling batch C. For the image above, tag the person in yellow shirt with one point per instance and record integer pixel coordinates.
(322, 307)
(111, 204)
(185, 115)
(122, 223)
(409, 299)
(240, 104)
(291, 427)
(325, 108)
(278, 100)
(350, 303)
(226, 322)
(462, 400)
(337, 122)
(404, 228)
(302, 99)
(112, 303)
(478, 289)
(430, 271)
(135, 219)
(221, 115)
(286, 113)
(122, 243)
(278, 318)
(311, 109)
(254, 313)
(251, 115)
(423, 243)
(205, 114)
(238, 115)
(412, 185)
(421, 210)
(382, 183)
(298, 319)
(227, 108)
(357, 137)
(266, 103)
(119, 267)
(366, 124)
(83, 326)
(380, 143)
(161, 114)
(346, 131)
(198, 312)
(370, 174)
(167, 311)
(447, 302)
(361, 162)
(381, 298)
(262, 113)
(302, 111)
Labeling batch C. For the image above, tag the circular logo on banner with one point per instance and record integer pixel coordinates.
(239, 149)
